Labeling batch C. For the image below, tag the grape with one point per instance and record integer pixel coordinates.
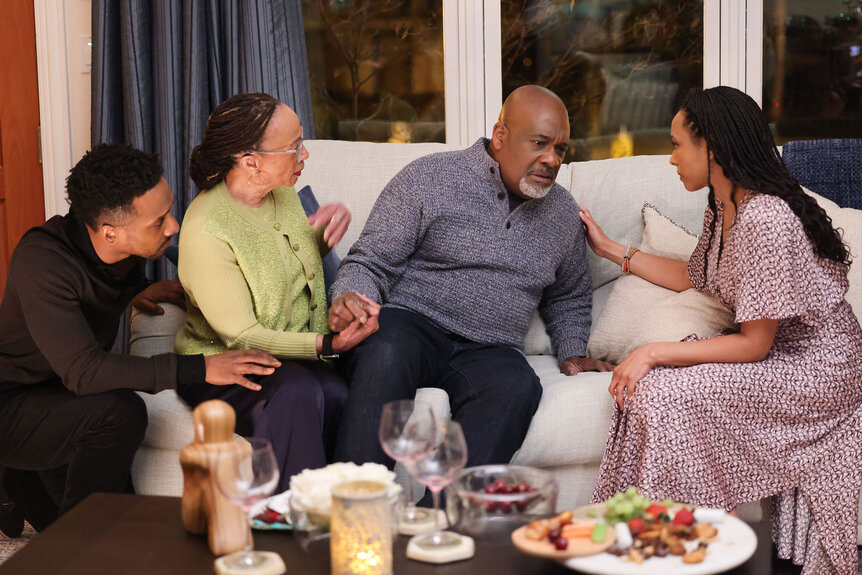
(622, 507)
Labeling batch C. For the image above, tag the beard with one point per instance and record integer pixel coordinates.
(535, 191)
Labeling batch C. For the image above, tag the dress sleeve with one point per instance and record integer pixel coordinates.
(777, 273)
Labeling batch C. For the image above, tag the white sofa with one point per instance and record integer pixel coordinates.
(569, 430)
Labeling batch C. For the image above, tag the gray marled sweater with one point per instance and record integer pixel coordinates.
(440, 241)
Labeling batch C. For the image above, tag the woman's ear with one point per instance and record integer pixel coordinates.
(248, 161)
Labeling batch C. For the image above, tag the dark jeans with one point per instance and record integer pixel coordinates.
(58, 448)
(298, 409)
(493, 391)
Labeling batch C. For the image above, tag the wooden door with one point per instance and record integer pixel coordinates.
(22, 200)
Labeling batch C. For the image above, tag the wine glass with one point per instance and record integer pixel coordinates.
(408, 431)
(437, 470)
(246, 475)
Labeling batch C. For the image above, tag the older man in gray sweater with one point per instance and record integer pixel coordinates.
(461, 248)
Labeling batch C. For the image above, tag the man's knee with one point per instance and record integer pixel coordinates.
(122, 410)
(301, 393)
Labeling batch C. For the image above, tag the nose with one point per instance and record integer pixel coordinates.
(550, 158)
(672, 160)
(172, 227)
(304, 155)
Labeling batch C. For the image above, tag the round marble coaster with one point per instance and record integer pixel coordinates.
(272, 565)
(425, 525)
(463, 550)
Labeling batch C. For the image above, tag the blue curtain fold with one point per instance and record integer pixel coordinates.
(161, 66)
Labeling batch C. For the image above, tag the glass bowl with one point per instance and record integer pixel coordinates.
(488, 502)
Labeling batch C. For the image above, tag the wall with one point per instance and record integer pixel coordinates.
(78, 25)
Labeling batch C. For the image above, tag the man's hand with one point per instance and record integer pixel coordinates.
(336, 218)
(349, 307)
(575, 365)
(169, 291)
(231, 367)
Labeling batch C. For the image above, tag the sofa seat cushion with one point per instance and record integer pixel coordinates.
(571, 424)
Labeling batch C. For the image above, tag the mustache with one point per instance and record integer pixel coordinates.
(542, 171)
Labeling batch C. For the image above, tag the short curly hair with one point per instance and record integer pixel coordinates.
(105, 182)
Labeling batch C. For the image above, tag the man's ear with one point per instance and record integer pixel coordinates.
(108, 233)
(498, 133)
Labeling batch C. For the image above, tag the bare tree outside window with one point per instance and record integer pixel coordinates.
(622, 67)
(812, 68)
(376, 69)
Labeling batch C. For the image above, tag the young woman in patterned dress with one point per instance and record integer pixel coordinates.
(773, 409)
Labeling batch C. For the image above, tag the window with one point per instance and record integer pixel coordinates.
(376, 69)
(812, 68)
(622, 68)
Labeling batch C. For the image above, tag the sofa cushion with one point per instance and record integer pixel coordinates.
(849, 221)
(615, 189)
(639, 312)
(170, 419)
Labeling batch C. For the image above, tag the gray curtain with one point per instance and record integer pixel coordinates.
(161, 66)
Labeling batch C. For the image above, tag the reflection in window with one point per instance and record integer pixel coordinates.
(621, 67)
(376, 69)
(812, 68)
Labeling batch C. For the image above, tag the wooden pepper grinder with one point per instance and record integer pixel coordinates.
(205, 509)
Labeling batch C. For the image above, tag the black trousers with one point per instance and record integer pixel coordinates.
(58, 448)
(298, 409)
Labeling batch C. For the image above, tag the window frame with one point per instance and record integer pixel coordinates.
(732, 56)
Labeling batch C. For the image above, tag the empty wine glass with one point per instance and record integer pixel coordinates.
(245, 476)
(408, 431)
(439, 468)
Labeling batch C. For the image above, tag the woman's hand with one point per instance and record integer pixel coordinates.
(353, 334)
(336, 218)
(596, 238)
(629, 372)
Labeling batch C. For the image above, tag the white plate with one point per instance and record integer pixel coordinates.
(280, 503)
(736, 543)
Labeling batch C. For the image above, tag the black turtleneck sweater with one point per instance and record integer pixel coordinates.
(60, 314)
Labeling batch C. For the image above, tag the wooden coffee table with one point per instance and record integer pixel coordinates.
(131, 534)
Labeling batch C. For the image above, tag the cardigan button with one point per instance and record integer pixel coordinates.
(491, 170)
(508, 225)
(501, 196)
(277, 226)
(310, 276)
(295, 247)
(313, 305)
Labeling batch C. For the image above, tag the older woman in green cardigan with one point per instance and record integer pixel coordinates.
(250, 263)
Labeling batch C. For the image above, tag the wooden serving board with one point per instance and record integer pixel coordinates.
(577, 547)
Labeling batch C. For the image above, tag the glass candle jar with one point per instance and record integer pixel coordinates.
(361, 529)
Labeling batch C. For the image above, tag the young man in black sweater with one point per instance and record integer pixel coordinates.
(70, 421)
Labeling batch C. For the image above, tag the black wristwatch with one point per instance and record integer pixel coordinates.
(326, 351)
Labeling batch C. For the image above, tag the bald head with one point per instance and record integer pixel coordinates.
(530, 140)
(528, 99)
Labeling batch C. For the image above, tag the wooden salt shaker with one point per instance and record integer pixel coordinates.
(205, 509)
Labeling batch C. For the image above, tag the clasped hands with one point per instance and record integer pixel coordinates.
(352, 317)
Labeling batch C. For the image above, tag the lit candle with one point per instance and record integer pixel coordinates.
(361, 529)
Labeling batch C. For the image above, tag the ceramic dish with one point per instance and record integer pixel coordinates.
(280, 504)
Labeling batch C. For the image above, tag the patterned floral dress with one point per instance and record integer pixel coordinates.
(787, 427)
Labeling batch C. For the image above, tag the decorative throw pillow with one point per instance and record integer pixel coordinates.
(639, 312)
(331, 261)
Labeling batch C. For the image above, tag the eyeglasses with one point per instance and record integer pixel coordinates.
(297, 151)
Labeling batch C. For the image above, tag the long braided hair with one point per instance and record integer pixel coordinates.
(737, 134)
